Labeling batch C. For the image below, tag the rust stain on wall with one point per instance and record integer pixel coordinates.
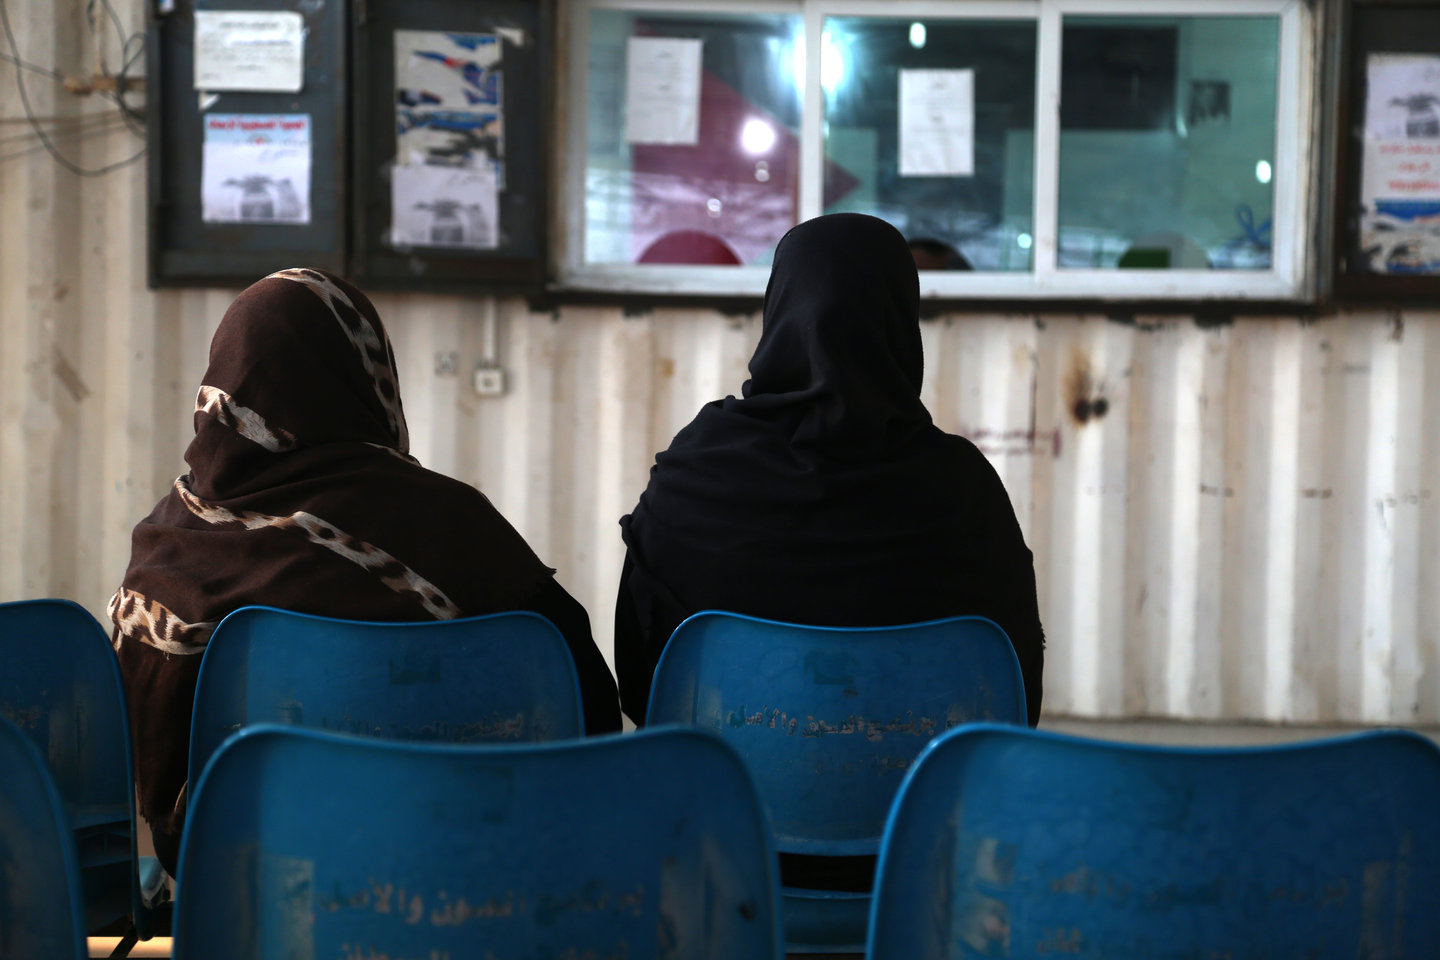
(1084, 396)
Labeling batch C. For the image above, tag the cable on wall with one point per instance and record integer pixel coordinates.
(21, 65)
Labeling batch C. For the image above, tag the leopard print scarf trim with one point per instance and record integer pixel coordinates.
(390, 571)
(242, 420)
(373, 351)
(137, 617)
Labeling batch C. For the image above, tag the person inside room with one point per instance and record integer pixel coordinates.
(932, 254)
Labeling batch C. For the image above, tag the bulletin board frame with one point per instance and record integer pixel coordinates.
(187, 245)
(508, 252)
(1376, 251)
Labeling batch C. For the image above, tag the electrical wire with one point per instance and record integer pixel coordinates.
(89, 124)
(95, 29)
(133, 117)
(24, 145)
(127, 60)
(136, 40)
(36, 68)
(110, 125)
(66, 127)
(35, 125)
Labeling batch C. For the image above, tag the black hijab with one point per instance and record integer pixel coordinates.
(824, 494)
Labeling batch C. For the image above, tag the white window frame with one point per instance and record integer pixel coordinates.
(1294, 178)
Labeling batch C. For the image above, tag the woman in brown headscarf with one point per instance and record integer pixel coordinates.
(302, 495)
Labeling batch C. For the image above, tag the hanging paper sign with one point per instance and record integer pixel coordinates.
(249, 50)
(448, 99)
(937, 123)
(662, 91)
(255, 168)
(449, 140)
(445, 207)
(1400, 177)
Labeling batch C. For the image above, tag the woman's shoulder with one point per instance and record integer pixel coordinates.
(962, 450)
(960, 463)
(443, 497)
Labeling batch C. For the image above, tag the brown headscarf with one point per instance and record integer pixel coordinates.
(302, 495)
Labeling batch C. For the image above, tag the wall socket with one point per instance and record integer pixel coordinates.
(489, 381)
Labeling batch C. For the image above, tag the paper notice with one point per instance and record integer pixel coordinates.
(1402, 129)
(662, 91)
(249, 50)
(449, 99)
(1402, 98)
(256, 168)
(937, 123)
(445, 207)
(1401, 170)
(447, 71)
(1400, 174)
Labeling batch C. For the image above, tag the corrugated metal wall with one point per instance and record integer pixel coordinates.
(1238, 522)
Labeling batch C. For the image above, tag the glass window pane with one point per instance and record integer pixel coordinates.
(1167, 142)
(722, 190)
(966, 192)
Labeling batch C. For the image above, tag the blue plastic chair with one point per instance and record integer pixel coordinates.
(304, 843)
(503, 677)
(828, 720)
(60, 685)
(1025, 844)
(42, 911)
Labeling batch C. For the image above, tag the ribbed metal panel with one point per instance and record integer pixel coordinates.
(1238, 522)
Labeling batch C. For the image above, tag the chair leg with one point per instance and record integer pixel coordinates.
(127, 943)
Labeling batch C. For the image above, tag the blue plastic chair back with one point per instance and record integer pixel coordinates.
(304, 843)
(1013, 842)
(503, 677)
(41, 906)
(829, 718)
(60, 685)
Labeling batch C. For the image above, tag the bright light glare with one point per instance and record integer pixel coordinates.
(832, 63)
(757, 136)
(1262, 171)
(917, 35)
(1023, 241)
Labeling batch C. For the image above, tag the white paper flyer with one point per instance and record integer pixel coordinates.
(249, 50)
(662, 91)
(1400, 174)
(255, 168)
(445, 207)
(937, 123)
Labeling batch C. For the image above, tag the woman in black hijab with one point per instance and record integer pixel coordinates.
(824, 494)
(302, 494)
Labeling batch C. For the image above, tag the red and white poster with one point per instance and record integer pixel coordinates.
(255, 168)
(1400, 178)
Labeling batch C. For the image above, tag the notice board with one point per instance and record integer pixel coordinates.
(1389, 243)
(246, 135)
(451, 105)
(400, 143)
